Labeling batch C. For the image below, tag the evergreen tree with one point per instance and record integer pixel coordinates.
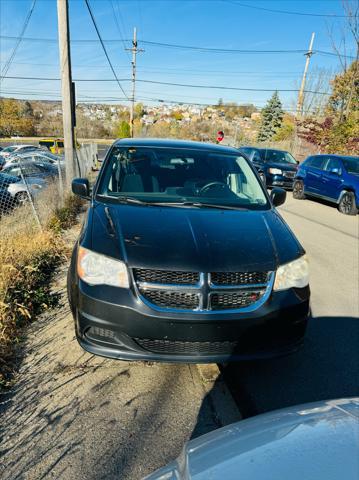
(272, 117)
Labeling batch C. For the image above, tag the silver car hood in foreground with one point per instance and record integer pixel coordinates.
(317, 441)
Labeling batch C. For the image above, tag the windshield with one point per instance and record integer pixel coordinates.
(351, 164)
(277, 156)
(181, 175)
(10, 149)
(50, 156)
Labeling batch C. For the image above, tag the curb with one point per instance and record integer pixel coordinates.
(225, 407)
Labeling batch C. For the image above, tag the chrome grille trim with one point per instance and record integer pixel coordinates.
(205, 289)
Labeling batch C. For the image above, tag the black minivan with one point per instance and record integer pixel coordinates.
(183, 257)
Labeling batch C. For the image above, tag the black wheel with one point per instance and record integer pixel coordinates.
(298, 190)
(347, 204)
(21, 198)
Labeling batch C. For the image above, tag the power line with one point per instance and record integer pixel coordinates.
(287, 12)
(170, 84)
(119, 28)
(103, 46)
(19, 40)
(182, 47)
(192, 71)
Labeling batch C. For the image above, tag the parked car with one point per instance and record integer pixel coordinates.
(334, 178)
(51, 158)
(41, 169)
(314, 441)
(19, 190)
(12, 149)
(183, 257)
(54, 145)
(276, 168)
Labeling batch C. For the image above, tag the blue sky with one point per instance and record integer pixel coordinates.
(226, 24)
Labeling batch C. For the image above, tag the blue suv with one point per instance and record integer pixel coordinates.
(334, 178)
(276, 168)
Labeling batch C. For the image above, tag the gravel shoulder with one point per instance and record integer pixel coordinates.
(72, 415)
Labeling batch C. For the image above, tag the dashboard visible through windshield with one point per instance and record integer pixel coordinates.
(166, 175)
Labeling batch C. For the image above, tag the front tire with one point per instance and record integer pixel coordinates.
(298, 190)
(347, 204)
(21, 198)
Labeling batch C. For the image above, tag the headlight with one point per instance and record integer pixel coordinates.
(275, 171)
(292, 275)
(96, 269)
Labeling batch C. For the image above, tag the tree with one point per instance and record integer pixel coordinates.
(177, 115)
(12, 119)
(272, 117)
(139, 110)
(345, 92)
(27, 109)
(287, 129)
(123, 129)
(339, 131)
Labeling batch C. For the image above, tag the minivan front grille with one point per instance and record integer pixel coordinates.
(165, 276)
(201, 291)
(238, 278)
(172, 299)
(184, 347)
(289, 174)
(227, 300)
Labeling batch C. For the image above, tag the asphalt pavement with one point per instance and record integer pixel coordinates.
(73, 416)
(328, 365)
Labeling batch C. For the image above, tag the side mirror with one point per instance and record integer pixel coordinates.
(335, 171)
(81, 187)
(278, 196)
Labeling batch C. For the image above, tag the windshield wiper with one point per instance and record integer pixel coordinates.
(125, 199)
(136, 201)
(205, 205)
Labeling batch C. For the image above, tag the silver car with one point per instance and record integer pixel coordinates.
(19, 190)
(34, 156)
(316, 441)
(17, 149)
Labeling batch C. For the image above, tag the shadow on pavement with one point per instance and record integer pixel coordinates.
(327, 367)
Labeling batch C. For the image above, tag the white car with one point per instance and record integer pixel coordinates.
(314, 441)
(10, 150)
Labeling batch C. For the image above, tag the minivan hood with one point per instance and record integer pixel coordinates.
(283, 166)
(193, 239)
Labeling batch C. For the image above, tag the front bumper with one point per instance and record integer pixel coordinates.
(279, 181)
(113, 322)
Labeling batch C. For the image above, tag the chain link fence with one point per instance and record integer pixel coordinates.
(32, 188)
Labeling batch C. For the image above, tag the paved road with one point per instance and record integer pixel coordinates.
(328, 365)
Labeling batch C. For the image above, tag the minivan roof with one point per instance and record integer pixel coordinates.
(264, 148)
(173, 143)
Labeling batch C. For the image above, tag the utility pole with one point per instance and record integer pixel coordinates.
(134, 51)
(302, 87)
(68, 113)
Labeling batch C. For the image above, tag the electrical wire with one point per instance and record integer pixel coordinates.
(287, 12)
(104, 48)
(19, 40)
(184, 47)
(119, 29)
(172, 84)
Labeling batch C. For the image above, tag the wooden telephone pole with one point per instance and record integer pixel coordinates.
(68, 107)
(134, 51)
(302, 87)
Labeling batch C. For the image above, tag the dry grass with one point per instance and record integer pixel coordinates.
(29, 257)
